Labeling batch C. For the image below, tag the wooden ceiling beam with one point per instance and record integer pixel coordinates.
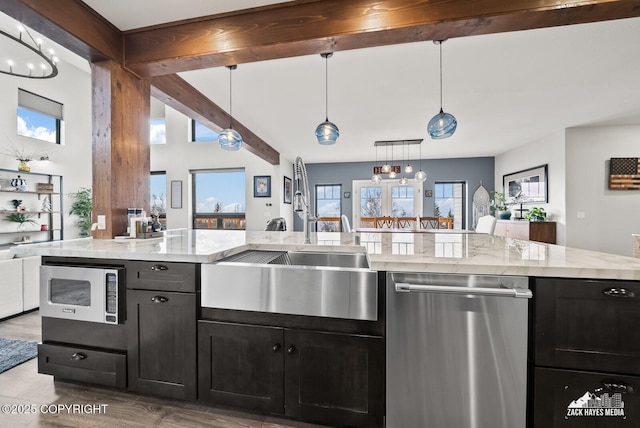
(311, 27)
(78, 28)
(172, 90)
(70, 23)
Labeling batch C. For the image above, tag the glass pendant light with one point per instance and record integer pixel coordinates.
(420, 175)
(442, 125)
(230, 139)
(402, 180)
(386, 168)
(407, 169)
(376, 178)
(327, 132)
(392, 173)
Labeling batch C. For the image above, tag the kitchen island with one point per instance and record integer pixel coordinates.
(426, 252)
(332, 370)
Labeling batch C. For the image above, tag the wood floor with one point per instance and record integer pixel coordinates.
(23, 385)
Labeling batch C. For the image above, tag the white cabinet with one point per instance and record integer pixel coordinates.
(10, 287)
(30, 282)
(19, 284)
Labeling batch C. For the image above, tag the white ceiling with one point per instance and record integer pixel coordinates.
(505, 89)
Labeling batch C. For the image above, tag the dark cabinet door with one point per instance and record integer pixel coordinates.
(588, 325)
(575, 399)
(241, 365)
(161, 343)
(334, 379)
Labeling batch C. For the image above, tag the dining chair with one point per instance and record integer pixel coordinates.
(368, 222)
(406, 222)
(429, 223)
(344, 222)
(385, 222)
(486, 224)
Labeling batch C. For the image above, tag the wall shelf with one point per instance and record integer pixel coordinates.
(28, 192)
(32, 198)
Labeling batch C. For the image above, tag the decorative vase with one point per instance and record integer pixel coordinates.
(22, 227)
(504, 215)
(23, 166)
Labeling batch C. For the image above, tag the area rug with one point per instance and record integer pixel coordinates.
(14, 352)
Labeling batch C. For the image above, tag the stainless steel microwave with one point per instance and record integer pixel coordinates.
(83, 293)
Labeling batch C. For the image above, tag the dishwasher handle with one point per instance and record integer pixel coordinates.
(466, 291)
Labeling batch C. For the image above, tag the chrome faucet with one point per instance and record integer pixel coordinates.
(301, 200)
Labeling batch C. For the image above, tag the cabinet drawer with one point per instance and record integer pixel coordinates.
(163, 276)
(588, 325)
(84, 365)
(567, 398)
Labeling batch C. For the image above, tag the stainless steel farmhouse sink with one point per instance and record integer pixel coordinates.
(324, 284)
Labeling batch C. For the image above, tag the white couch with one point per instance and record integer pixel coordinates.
(19, 284)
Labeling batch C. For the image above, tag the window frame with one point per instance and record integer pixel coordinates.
(213, 218)
(339, 199)
(39, 104)
(463, 199)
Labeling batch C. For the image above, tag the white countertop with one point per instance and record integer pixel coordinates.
(408, 252)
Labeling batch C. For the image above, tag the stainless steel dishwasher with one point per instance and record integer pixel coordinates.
(456, 350)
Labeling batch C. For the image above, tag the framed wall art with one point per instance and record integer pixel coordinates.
(532, 183)
(288, 190)
(261, 186)
(176, 193)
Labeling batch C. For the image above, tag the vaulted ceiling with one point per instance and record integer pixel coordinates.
(513, 71)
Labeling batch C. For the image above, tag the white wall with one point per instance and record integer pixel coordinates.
(610, 216)
(71, 159)
(551, 151)
(179, 156)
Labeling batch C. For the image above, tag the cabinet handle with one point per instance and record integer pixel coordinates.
(77, 356)
(159, 299)
(291, 350)
(617, 386)
(159, 267)
(618, 292)
(276, 347)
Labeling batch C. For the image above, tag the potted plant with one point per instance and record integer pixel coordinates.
(82, 206)
(536, 214)
(499, 204)
(21, 219)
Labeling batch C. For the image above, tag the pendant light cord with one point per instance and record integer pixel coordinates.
(441, 41)
(326, 87)
(230, 98)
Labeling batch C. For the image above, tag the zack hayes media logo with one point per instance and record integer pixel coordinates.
(591, 405)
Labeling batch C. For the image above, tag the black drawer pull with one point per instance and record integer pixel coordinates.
(77, 356)
(292, 349)
(616, 386)
(159, 299)
(159, 267)
(618, 292)
(276, 347)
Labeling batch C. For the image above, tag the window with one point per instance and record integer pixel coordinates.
(385, 199)
(449, 202)
(328, 206)
(200, 133)
(158, 192)
(402, 201)
(158, 131)
(219, 199)
(39, 117)
(157, 122)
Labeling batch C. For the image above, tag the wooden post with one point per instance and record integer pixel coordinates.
(121, 151)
